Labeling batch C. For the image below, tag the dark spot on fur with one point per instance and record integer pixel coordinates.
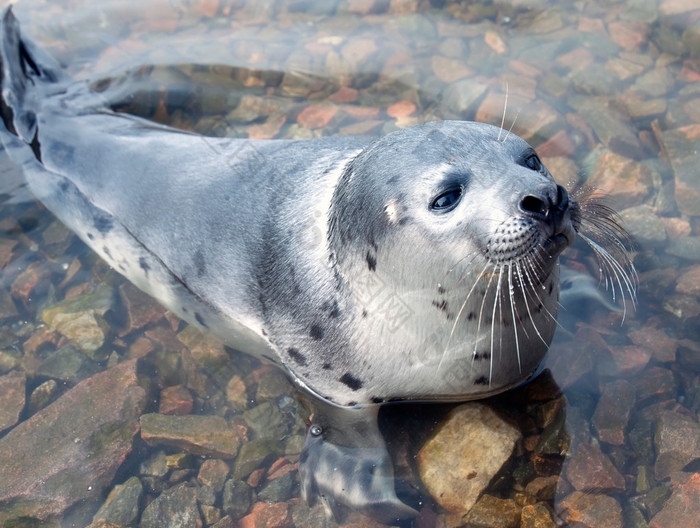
(199, 263)
(144, 265)
(316, 332)
(441, 304)
(91, 236)
(332, 308)
(104, 224)
(441, 290)
(483, 380)
(297, 356)
(471, 316)
(377, 400)
(121, 267)
(200, 319)
(184, 310)
(326, 366)
(351, 404)
(482, 355)
(551, 288)
(351, 381)
(371, 261)
(404, 220)
(364, 313)
(105, 249)
(64, 185)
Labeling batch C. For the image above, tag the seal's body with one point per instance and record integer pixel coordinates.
(419, 265)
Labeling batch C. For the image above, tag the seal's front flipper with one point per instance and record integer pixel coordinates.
(345, 464)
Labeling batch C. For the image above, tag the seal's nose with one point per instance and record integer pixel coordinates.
(542, 206)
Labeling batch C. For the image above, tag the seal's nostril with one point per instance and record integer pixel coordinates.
(533, 205)
(562, 197)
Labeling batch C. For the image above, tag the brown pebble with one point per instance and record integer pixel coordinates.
(316, 116)
(176, 400)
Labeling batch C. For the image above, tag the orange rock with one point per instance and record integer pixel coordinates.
(175, 400)
(361, 7)
(625, 180)
(676, 227)
(683, 506)
(362, 112)
(269, 129)
(524, 68)
(495, 42)
(630, 360)
(676, 7)
(449, 70)
(263, 515)
(401, 109)
(592, 25)
(255, 477)
(689, 282)
(316, 116)
(26, 281)
(344, 95)
(629, 35)
(663, 346)
(590, 510)
(208, 8)
(361, 128)
(576, 59)
(558, 145)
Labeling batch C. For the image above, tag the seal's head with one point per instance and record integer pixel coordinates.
(447, 236)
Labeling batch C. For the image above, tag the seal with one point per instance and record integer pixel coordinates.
(422, 265)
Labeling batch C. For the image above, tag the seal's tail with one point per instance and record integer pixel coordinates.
(24, 69)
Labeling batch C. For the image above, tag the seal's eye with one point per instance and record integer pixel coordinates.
(532, 161)
(446, 201)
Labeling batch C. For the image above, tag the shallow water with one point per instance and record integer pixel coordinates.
(607, 93)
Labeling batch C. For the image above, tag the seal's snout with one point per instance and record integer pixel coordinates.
(545, 207)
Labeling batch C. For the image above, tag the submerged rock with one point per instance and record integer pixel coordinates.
(589, 510)
(458, 463)
(199, 435)
(122, 504)
(69, 451)
(683, 506)
(80, 319)
(176, 508)
(677, 442)
(13, 395)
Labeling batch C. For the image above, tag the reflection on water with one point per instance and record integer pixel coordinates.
(606, 93)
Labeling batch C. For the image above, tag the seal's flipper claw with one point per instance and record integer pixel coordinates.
(345, 464)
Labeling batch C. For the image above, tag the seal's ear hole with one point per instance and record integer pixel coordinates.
(447, 200)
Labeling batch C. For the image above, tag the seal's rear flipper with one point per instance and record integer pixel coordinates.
(345, 465)
(24, 69)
